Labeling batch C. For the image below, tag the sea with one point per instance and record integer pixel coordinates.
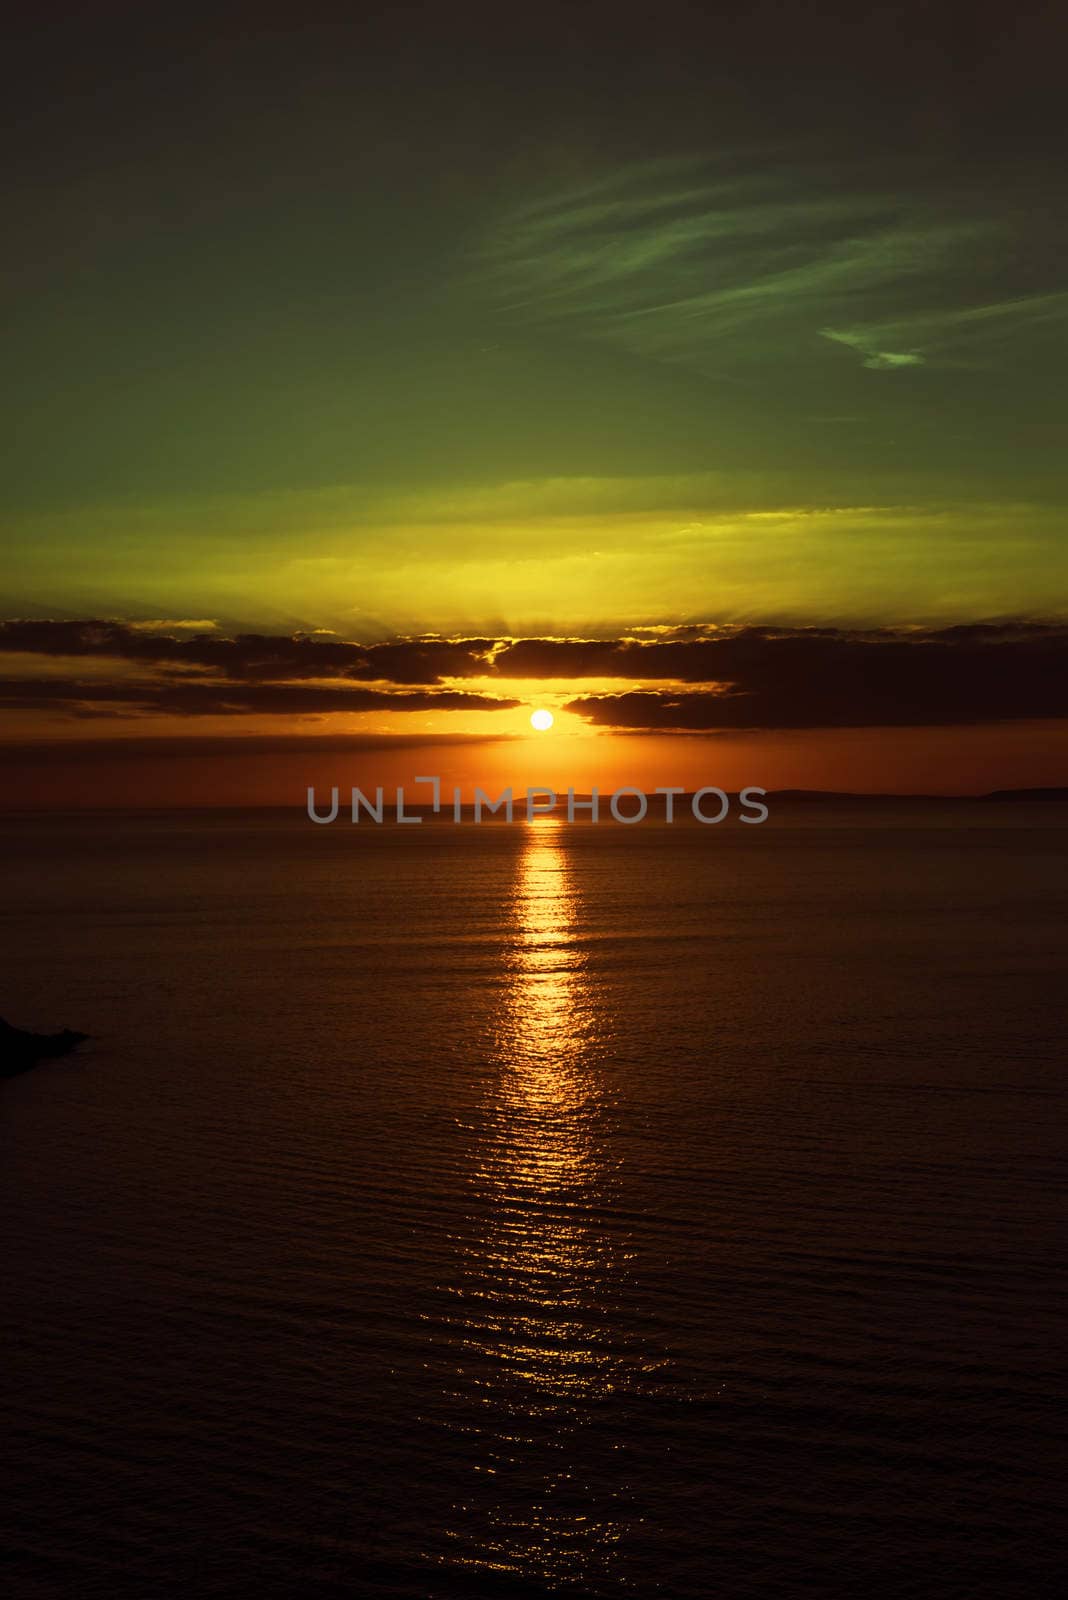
(540, 1209)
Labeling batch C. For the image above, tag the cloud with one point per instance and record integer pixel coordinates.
(875, 360)
(175, 625)
(831, 679)
(746, 260)
(697, 677)
(888, 360)
(964, 336)
(185, 698)
(252, 656)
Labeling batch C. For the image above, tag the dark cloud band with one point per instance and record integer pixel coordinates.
(698, 678)
(92, 697)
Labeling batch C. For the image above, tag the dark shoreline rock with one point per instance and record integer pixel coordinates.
(20, 1050)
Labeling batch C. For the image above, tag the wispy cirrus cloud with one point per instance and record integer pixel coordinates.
(863, 342)
(963, 337)
(738, 263)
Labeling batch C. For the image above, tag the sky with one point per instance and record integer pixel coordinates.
(698, 375)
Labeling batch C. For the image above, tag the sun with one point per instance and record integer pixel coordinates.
(542, 720)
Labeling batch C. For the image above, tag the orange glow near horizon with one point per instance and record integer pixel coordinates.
(208, 768)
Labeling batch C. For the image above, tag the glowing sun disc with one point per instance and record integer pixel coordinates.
(542, 720)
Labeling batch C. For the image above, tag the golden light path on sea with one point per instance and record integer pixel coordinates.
(540, 1273)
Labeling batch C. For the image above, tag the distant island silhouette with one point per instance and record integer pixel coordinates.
(994, 794)
(20, 1049)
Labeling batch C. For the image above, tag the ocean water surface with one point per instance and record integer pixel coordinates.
(514, 1211)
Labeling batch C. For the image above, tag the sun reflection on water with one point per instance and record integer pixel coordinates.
(537, 1283)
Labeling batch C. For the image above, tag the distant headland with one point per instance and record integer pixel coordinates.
(20, 1049)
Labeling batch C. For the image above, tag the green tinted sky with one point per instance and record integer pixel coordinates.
(448, 322)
